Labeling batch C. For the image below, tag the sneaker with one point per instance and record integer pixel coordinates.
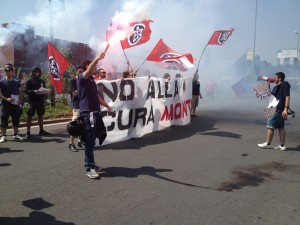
(92, 174)
(2, 139)
(264, 145)
(28, 135)
(17, 137)
(72, 148)
(81, 144)
(98, 169)
(43, 132)
(281, 148)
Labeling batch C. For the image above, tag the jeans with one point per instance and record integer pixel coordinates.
(90, 137)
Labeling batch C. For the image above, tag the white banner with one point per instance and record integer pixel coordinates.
(143, 105)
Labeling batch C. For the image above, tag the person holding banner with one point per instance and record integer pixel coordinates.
(276, 121)
(89, 106)
(196, 93)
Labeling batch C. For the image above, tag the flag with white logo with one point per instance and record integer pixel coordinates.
(220, 37)
(169, 59)
(140, 34)
(58, 64)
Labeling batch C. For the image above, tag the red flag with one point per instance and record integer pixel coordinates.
(140, 34)
(169, 59)
(220, 37)
(57, 66)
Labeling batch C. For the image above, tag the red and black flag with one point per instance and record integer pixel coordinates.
(140, 34)
(169, 59)
(58, 64)
(220, 37)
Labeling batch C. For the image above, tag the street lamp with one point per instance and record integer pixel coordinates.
(296, 32)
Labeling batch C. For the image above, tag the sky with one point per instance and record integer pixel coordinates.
(184, 25)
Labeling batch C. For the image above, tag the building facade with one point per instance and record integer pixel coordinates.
(25, 50)
(287, 56)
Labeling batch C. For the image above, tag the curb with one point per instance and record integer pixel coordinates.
(53, 121)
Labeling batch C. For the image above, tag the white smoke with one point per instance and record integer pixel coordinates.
(133, 11)
(184, 26)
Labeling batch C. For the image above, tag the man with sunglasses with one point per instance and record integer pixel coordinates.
(100, 75)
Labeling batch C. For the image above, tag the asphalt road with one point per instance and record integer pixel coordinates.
(210, 172)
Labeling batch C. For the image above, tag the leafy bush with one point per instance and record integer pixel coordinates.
(61, 110)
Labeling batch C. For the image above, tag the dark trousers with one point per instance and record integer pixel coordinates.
(98, 130)
(10, 110)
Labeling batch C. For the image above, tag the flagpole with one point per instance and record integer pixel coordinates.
(52, 94)
(149, 54)
(125, 56)
(201, 56)
(142, 64)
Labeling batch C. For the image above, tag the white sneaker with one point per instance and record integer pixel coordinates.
(17, 137)
(281, 148)
(92, 174)
(2, 139)
(264, 145)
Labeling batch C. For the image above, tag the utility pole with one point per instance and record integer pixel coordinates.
(50, 22)
(254, 45)
(52, 94)
(297, 33)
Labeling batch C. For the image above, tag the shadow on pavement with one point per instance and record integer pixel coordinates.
(223, 134)
(293, 149)
(8, 150)
(110, 172)
(35, 218)
(5, 164)
(199, 124)
(53, 137)
(37, 204)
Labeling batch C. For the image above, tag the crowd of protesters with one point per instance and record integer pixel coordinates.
(85, 104)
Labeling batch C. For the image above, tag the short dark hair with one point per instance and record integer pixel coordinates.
(85, 64)
(125, 74)
(78, 67)
(8, 67)
(280, 75)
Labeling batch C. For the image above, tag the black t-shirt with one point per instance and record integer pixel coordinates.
(74, 99)
(281, 91)
(196, 87)
(8, 88)
(87, 94)
(34, 83)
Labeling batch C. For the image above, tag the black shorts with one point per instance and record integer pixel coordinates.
(14, 112)
(39, 108)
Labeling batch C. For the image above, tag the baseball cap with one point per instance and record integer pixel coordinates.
(8, 67)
